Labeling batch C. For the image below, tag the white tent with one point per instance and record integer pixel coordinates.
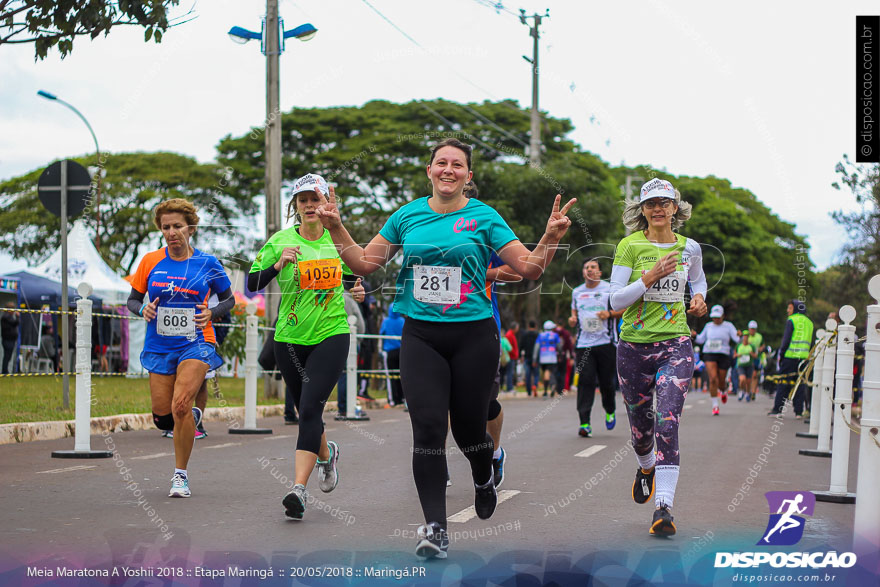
(84, 263)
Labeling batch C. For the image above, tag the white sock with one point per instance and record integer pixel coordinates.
(647, 461)
(181, 471)
(665, 480)
(714, 402)
(497, 454)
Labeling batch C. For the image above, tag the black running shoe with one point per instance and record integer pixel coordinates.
(433, 541)
(643, 486)
(662, 524)
(485, 499)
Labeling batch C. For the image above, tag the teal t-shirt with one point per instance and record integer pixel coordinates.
(445, 257)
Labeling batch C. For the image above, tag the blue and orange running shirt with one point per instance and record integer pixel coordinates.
(179, 286)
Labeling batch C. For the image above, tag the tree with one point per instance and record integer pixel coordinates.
(51, 23)
(847, 281)
(134, 184)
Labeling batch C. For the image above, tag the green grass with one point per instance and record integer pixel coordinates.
(39, 399)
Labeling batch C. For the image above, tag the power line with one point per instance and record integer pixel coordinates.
(416, 43)
(388, 20)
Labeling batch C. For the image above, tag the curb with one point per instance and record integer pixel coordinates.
(33, 431)
(19, 432)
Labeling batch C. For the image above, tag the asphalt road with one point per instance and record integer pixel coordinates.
(564, 498)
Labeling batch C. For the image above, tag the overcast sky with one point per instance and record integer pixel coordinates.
(760, 93)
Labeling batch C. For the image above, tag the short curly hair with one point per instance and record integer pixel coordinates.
(176, 206)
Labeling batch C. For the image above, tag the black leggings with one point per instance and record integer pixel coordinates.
(311, 371)
(447, 370)
(596, 363)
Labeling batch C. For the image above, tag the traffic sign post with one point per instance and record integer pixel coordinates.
(72, 182)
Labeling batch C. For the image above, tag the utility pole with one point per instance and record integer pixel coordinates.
(535, 141)
(273, 164)
(533, 298)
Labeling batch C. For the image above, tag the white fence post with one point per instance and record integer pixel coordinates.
(83, 405)
(822, 410)
(846, 337)
(816, 388)
(866, 528)
(251, 352)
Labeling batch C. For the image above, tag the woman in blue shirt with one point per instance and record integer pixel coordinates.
(450, 347)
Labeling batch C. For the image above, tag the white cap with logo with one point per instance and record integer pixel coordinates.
(310, 182)
(549, 325)
(753, 324)
(717, 311)
(656, 188)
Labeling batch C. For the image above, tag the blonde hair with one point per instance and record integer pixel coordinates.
(176, 206)
(634, 220)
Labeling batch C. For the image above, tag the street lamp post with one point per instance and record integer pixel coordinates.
(65, 339)
(272, 45)
(54, 98)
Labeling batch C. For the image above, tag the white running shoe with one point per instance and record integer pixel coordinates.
(179, 486)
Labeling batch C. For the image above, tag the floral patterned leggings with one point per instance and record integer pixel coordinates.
(666, 366)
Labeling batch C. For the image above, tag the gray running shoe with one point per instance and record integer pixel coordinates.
(327, 473)
(295, 502)
(433, 541)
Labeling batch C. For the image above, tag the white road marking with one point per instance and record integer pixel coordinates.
(469, 512)
(155, 456)
(64, 470)
(701, 401)
(277, 437)
(689, 406)
(590, 451)
(392, 420)
(224, 445)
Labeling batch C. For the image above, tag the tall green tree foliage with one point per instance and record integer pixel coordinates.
(847, 281)
(134, 184)
(56, 23)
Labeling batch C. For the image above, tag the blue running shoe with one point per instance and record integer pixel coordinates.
(610, 421)
(498, 468)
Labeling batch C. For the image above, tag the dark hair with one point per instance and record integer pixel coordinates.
(470, 190)
(591, 260)
(799, 306)
(452, 142)
(533, 324)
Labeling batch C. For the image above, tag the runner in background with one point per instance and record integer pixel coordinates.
(548, 348)
(652, 267)
(596, 358)
(715, 338)
(698, 383)
(756, 339)
(526, 344)
(565, 360)
(745, 355)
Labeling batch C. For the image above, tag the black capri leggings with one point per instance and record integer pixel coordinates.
(447, 370)
(311, 371)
